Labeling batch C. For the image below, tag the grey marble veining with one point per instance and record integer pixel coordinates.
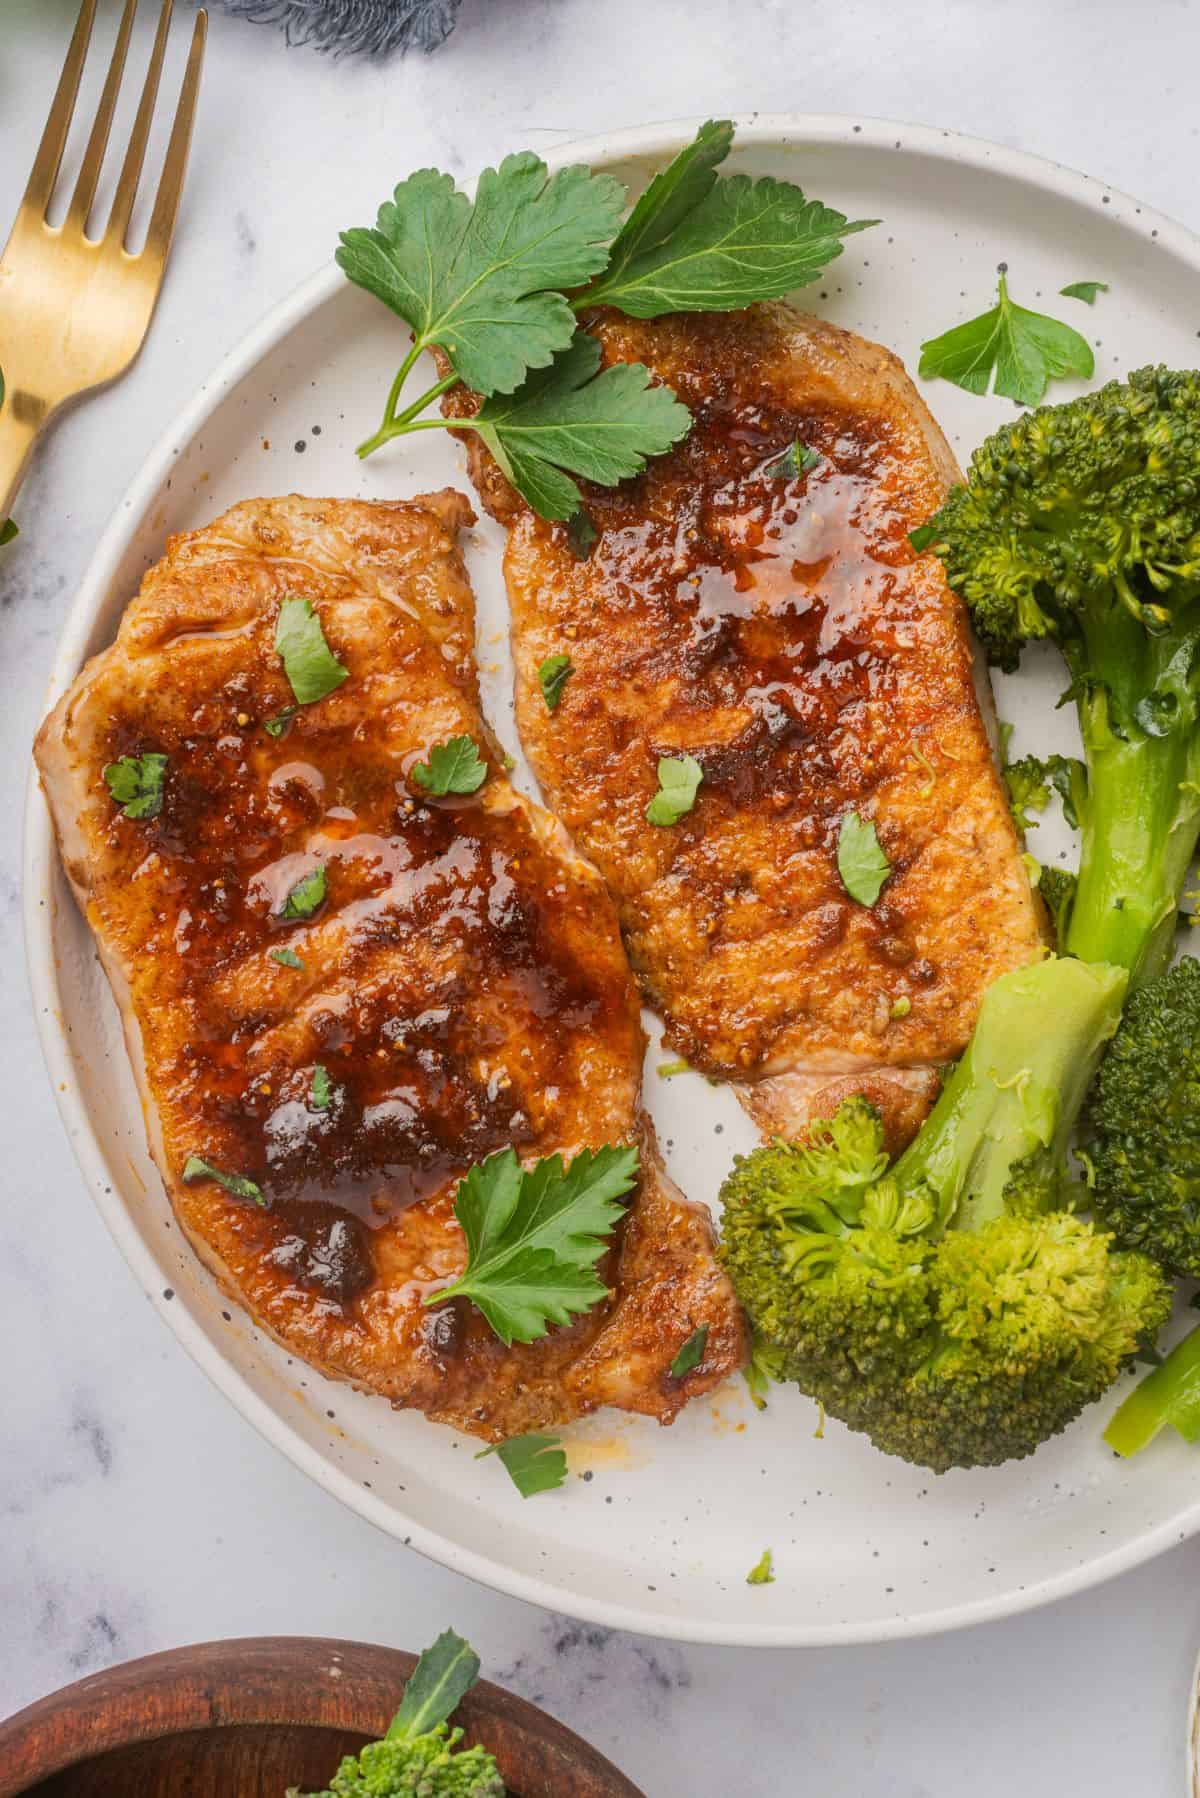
(137, 1510)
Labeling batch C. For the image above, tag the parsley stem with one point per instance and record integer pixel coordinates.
(396, 423)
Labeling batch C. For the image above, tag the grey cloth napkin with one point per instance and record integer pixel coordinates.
(355, 27)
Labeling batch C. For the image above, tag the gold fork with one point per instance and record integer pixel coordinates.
(74, 309)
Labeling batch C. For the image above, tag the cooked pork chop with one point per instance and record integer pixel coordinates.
(463, 983)
(779, 629)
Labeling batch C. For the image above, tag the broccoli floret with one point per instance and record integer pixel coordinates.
(1057, 888)
(1081, 522)
(429, 1766)
(420, 1756)
(1144, 1119)
(953, 1306)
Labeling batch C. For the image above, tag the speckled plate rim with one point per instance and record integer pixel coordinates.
(658, 141)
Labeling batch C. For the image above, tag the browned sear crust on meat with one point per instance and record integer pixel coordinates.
(781, 631)
(463, 985)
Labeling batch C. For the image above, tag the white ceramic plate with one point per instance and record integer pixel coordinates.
(661, 1536)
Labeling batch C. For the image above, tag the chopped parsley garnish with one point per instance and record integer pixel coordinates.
(762, 1573)
(306, 896)
(1023, 350)
(796, 460)
(535, 1463)
(8, 530)
(553, 676)
(582, 534)
(691, 1354)
(900, 1007)
(679, 778)
(276, 726)
(196, 1168)
(1084, 290)
(860, 859)
(287, 958)
(922, 537)
(136, 783)
(534, 1237)
(453, 767)
(321, 1093)
(310, 665)
(667, 1070)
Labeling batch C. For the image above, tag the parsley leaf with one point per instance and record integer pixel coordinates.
(674, 192)
(196, 1168)
(861, 862)
(581, 535)
(320, 1095)
(276, 726)
(436, 1687)
(679, 778)
(287, 958)
(691, 1354)
(743, 241)
(453, 767)
(762, 1573)
(1084, 290)
(920, 539)
(306, 896)
(534, 1236)
(310, 665)
(553, 676)
(8, 530)
(535, 1463)
(1024, 350)
(796, 459)
(136, 783)
(570, 417)
(479, 279)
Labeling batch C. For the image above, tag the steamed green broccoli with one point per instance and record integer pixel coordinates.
(1030, 780)
(1081, 523)
(953, 1306)
(420, 1756)
(1057, 888)
(1144, 1119)
(1168, 1395)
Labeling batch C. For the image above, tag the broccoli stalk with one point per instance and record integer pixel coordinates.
(1169, 1395)
(954, 1307)
(1081, 523)
(1141, 817)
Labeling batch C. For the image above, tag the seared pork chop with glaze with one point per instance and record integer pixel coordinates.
(775, 624)
(461, 983)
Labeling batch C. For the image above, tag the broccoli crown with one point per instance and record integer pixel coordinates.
(1081, 522)
(953, 1307)
(1100, 494)
(1144, 1120)
(430, 1765)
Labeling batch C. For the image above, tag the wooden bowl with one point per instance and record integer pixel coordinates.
(251, 1717)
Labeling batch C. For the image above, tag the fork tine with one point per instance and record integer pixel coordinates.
(46, 163)
(170, 185)
(131, 168)
(93, 156)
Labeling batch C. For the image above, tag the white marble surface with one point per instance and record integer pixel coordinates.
(137, 1510)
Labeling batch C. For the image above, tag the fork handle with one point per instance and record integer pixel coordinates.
(17, 436)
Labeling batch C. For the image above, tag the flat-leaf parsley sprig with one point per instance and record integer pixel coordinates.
(494, 286)
(534, 1236)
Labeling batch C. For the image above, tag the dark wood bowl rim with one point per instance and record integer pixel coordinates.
(262, 1680)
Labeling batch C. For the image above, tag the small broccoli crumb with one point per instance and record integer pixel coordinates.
(762, 1573)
